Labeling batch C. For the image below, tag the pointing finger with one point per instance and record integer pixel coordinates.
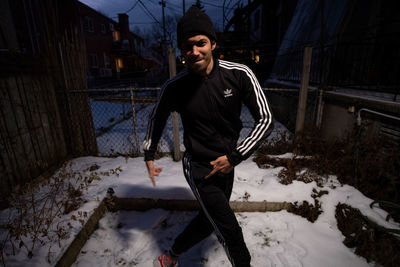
(213, 171)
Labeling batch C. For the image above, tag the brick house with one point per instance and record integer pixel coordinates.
(112, 50)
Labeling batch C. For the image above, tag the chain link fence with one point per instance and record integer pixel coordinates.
(120, 117)
(284, 104)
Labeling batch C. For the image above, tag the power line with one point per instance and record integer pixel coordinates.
(133, 6)
(148, 12)
(175, 8)
(230, 9)
(209, 4)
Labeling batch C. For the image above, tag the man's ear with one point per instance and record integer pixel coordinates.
(213, 45)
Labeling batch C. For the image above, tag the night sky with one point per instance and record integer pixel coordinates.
(138, 10)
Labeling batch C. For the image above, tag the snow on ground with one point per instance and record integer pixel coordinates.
(274, 238)
(132, 238)
(129, 238)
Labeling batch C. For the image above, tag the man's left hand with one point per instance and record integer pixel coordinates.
(221, 164)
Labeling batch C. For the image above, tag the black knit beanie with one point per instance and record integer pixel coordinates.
(194, 22)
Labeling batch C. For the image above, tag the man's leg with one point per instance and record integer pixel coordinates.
(197, 230)
(213, 195)
(200, 227)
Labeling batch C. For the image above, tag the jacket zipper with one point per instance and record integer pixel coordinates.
(211, 97)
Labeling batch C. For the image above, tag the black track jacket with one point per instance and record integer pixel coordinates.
(210, 111)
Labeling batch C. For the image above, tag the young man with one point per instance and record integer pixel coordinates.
(209, 94)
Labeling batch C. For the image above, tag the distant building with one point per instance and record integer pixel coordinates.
(254, 33)
(112, 50)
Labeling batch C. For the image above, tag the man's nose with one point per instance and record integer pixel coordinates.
(195, 50)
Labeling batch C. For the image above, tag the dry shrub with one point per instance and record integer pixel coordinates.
(306, 210)
(369, 242)
(369, 162)
(37, 211)
(279, 145)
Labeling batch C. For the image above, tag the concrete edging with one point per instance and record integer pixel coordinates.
(72, 252)
(176, 204)
(142, 204)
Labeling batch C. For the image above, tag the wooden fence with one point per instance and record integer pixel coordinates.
(41, 58)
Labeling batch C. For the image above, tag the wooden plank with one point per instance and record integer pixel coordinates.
(35, 106)
(11, 115)
(57, 134)
(43, 130)
(9, 167)
(32, 146)
(48, 126)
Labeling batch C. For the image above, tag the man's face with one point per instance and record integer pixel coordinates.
(197, 51)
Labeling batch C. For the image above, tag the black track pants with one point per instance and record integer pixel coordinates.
(216, 215)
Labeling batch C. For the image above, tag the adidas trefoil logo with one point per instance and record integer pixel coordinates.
(228, 92)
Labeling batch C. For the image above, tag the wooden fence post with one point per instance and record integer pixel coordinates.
(305, 78)
(174, 115)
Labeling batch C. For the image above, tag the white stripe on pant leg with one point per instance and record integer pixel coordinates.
(189, 178)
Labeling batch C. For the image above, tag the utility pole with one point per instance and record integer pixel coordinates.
(183, 7)
(162, 3)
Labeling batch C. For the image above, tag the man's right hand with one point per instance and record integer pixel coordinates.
(153, 172)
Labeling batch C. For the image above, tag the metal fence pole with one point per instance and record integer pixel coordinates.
(174, 115)
(301, 109)
(134, 122)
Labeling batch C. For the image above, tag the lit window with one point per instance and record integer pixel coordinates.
(120, 63)
(116, 36)
(257, 59)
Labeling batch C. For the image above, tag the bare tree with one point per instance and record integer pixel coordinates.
(156, 33)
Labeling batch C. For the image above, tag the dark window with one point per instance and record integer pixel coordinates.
(88, 24)
(93, 61)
